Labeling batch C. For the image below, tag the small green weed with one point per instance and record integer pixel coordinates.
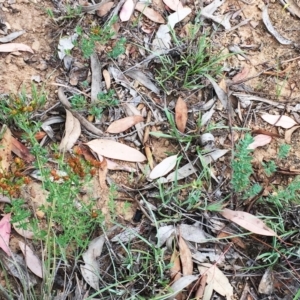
(95, 108)
(118, 49)
(269, 167)
(241, 165)
(87, 42)
(284, 150)
(190, 67)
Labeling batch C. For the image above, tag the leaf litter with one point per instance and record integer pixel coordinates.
(203, 142)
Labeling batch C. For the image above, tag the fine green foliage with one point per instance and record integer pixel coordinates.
(241, 165)
(96, 108)
(102, 35)
(118, 49)
(287, 196)
(284, 150)
(269, 167)
(189, 68)
(68, 223)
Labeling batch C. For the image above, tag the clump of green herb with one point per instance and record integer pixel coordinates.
(99, 34)
(283, 151)
(241, 165)
(96, 108)
(269, 167)
(192, 65)
(118, 49)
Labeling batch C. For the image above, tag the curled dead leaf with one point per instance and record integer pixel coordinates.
(104, 9)
(124, 124)
(149, 13)
(32, 261)
(72, 133)
(107, 79)
(288, 134)
(12, 47)
(216, 278)
(181, 114)
(175, 270)
(185, 257)
(5, 229)
(26, 233)
(22, 151)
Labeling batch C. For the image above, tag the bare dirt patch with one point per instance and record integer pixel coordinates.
(21, 69)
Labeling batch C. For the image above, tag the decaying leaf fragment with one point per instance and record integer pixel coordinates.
(72, 133)
(265, 16)
(175, 270)
(5, 228)
(266, 285)
(107, 79)
(5, 148)
(90, 271)
(26, 233)
(20, 150)
(180, 284)
(181, 173)
(185, 257)
(11, 37)
(248, 221)
(174, 4)
(288, 134)
(216, 280)
(105, 8)
(181, 114)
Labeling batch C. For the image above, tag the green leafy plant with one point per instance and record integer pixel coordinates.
(284, 150)
(269, 167)
(241, 165)
(102, 35)
(96, 108)
(118, 49)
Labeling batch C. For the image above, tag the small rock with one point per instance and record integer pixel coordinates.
(8, 59)
(42, 66)
(254, 24)
(36, 45)
(36, 78)
(20, 62)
